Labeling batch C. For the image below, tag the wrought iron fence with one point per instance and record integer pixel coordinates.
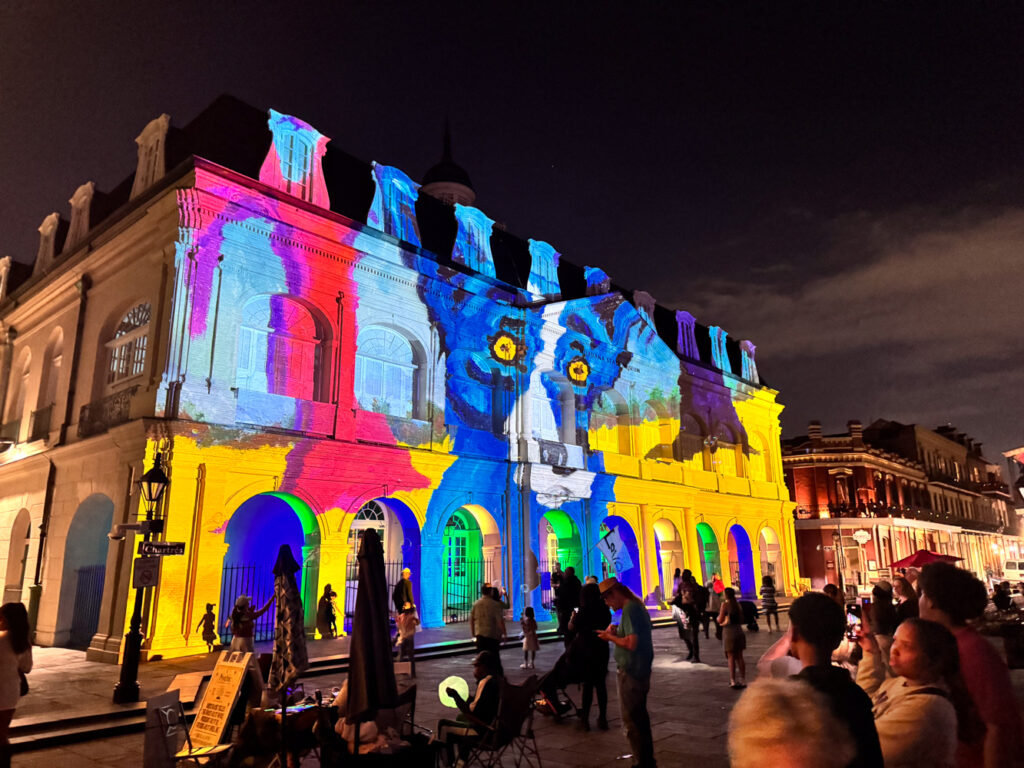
(256, 580)
(96, 418)
(41, 422)
(462, 581)
(392, 574)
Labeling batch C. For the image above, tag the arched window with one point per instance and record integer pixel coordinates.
(296, 153)
(16, 397)
(609, 424)
(552, 416)
(128, 345)
(42, 417)
(760, 459)
(691, 443)
(370, 516)
(278, 349)
(386, 371)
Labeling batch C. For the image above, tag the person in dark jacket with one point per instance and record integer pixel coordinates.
(593, 616)
(567, 599)
(817, 625)
(402, 592)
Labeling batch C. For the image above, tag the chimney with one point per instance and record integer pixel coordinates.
(598, 281)
(686, 338)
(856, 433)
(644, 303)
(814, 433)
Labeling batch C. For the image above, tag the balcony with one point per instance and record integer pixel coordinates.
(42, 421)
(96, 418)
(9, 432)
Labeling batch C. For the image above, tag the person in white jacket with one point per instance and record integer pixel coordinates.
(914, 700)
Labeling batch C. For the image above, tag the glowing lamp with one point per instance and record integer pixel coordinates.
(461, 687)
(153, 484)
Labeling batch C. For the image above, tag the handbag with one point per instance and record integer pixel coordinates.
(24, 682)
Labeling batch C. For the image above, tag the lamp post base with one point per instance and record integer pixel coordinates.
(127, 689)
(126, 694)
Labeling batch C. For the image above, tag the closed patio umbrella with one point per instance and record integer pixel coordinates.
(371, 676)
(922, 557)
(290, 656)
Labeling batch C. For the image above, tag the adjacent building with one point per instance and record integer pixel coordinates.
(316, 346)
(874, 495)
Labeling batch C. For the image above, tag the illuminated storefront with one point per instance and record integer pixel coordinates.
(325, 354)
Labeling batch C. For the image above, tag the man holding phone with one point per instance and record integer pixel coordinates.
(634, 653)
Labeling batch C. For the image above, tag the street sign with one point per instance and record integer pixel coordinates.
(161, 548)
(145, 572)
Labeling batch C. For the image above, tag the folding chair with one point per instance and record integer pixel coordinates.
(511, 731)
(172, 719)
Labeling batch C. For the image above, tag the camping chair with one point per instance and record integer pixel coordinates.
(511, 731)
(172, 719)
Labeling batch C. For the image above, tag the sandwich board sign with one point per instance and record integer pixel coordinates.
(214, 713)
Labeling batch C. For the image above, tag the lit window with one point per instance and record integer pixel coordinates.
(371, 516)
(385, 373)
(278, 349)
(296, 163)
(128, 347)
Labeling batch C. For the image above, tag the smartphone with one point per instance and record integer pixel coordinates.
(852, 626)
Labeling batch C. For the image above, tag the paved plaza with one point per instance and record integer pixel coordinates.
(689, 704)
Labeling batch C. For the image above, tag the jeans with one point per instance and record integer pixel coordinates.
(633, 705)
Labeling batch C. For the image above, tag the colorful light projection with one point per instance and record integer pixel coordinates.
(475, 416)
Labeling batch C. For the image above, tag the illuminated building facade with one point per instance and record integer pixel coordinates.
(872, 496)
(317, 346)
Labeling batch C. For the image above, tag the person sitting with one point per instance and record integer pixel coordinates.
(477, 715)
(918, 704)
(786, 724)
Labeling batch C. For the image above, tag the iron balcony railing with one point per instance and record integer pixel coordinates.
(9, 432)
(96, 418)
(42, 421)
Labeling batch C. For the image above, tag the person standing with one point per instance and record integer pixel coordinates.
(325, 613)
(487, 622)
(209, 626)
(402, 593)
(593, 616)
(15, 663)
(906, 600)
(567, 601)
(769, 604)
(243, 623)
(734, 641)
(817, 624)
(528, 623)
(634, 654)
(684, 607)
(952, 596)
(408, 624)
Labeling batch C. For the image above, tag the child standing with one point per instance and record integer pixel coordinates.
(209, 626)
(407, 623)
(530, 643)
(769, 604)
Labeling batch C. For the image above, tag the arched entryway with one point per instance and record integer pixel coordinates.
(741, 562)
(470, 558)
(558, 541)
(85, 569)
(771, 557)
(17, 557)
(669, 554)
(629, 576)
(254, 536)
(399, 531)
(710, 559)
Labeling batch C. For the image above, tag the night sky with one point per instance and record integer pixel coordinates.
(842, 183)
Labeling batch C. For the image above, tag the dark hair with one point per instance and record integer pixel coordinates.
(489, 660)
(16, 618)
(767, 581)
(819, 620)
(831, 590)
(902, 586)
(954, 591)
(570, 571)
(730, 594)
(590, 595)
(883, 612)
(676, 574)
(485, 589)
(938, 645)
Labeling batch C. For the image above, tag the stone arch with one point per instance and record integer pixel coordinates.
(558, 541)
(769, 547)
(610, 421)
(692, 432)
(17, 392)
(84, 570)
(710, 554)
(728, 455)
(741, 561)
(760, 460)
(254, 534)
(471, 557)
(668, 547)
(17, 556)
(419, 380)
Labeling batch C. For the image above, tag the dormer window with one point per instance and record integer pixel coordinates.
(293, 161)
(152, 162)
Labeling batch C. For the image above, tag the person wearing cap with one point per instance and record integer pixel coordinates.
(243, 623)
(477, 715)
(634, 654)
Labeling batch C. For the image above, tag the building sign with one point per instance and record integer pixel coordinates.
(161, 548)
(862, 536)
(219, 700)
(145, 572)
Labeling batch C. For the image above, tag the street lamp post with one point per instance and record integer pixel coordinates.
(152, 485)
